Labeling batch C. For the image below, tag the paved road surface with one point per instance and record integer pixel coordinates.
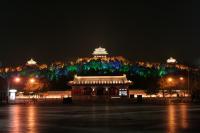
(99, 119)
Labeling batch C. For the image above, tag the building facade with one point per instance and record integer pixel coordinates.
(99, 87)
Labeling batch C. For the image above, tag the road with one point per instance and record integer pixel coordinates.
(99, 118)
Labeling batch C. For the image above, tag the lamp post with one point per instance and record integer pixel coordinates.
(31, 81)
(182, 86)
(170, 80)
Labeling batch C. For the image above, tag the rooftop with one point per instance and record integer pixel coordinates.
(171, 60)
(100, 52)
(80, 80)
(31, 62)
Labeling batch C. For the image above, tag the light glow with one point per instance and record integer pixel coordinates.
(31, 62)
(181, 78)
(171, 60)
(170, 79)
(17, 80)
(32, 80)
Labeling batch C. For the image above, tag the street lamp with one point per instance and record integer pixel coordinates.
(181, 78)
(10, 81)
(170, 79)
(32, 80)
(182, 85)
(17, 79)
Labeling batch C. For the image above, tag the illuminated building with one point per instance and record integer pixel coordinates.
(100, 52)
(104, 87)
(31, 62)
(100, 87)
(171, 60)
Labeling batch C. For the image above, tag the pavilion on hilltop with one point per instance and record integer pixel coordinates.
(100, 52)
(31, 62)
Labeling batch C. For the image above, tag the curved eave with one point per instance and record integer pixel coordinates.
(75, 84)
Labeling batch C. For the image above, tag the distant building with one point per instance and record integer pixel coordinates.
(100, 52)
(171, 60)
(31, 62)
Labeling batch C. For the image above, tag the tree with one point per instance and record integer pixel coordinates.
(152, 86)
(195, 88)
(168, 84)
(35, 85)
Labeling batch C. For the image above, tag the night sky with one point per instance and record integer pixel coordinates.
(149, 31)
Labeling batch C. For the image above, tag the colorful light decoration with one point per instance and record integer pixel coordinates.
(98, 66)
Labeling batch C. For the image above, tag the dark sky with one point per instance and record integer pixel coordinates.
(150, 31)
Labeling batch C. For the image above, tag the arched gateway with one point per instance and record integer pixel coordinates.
(99, 87)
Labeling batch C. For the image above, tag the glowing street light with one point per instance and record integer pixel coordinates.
(32, 80)
(170, 79)
(17, 79)
(181, 78)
